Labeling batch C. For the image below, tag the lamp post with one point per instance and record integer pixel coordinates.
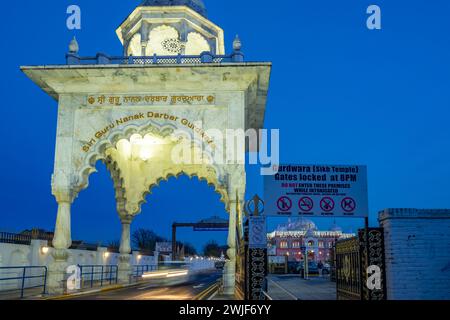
(306, 271)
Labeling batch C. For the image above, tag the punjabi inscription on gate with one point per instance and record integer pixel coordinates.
(144, 100)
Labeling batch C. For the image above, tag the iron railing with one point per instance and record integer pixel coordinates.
(98, 275)
(349, 275)
(73, 59)
(14, 238)
(138, 271)
(20, 280)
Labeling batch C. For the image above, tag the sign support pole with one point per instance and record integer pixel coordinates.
(366, 225)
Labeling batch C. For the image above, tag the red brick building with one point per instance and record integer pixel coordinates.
(296, 236)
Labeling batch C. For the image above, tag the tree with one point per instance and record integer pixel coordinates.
(189, 249)
(213, 249)
(145, 239)
(114, 245)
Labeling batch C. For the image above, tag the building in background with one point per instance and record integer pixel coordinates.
(295, 237)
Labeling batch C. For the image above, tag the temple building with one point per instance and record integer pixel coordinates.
(296, 237)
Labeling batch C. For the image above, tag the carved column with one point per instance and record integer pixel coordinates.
(61, 242)
(230, 267)
(236, 192)
(125, 267)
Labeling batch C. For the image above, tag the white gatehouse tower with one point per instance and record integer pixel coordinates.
(159, 109)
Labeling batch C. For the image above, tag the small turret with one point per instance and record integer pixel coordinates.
(73, 46)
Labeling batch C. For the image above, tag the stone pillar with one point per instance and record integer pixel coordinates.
(230, 266)
(61, 242)
(125, 267)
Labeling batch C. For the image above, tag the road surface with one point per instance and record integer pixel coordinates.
(149, 291)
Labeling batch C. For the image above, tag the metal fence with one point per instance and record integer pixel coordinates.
(97, 275)
(138, 271)
(20, 279)
(14, 238)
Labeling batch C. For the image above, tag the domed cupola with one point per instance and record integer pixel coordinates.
(170, 28)
(196, 5)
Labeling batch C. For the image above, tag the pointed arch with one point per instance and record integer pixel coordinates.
(135, 177)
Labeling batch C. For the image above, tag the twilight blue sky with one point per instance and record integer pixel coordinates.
(340, 94)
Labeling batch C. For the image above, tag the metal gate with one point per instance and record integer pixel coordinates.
(353, 257)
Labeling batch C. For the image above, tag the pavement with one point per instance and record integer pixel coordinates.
(294, 287)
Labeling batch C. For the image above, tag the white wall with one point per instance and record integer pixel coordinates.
(198, 265)
(12, 255)
(417, 244)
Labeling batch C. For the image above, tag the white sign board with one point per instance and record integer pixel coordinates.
(317, 190)
(165, 247)
(257, 233)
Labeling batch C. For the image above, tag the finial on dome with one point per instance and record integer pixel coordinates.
(73, 46)
(237, 44)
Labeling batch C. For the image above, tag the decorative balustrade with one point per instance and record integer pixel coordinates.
(103, 59)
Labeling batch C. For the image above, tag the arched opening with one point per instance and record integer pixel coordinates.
(141, 170)
(134, 46)
(140, 159)
(196, 44)
(183, 199)
(94, 212)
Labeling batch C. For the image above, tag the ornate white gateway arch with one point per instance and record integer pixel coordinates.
(138, 114)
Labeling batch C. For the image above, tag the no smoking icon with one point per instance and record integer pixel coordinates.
(348, 204)
(306, 204)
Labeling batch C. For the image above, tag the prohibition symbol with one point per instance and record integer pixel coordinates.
(306, 204)
(284, 204)
(327, 204)
(348, 204)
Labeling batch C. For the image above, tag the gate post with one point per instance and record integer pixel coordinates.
(256, 253)
(61, 242)
(124, 267)
(373, 255)
(229, 281)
